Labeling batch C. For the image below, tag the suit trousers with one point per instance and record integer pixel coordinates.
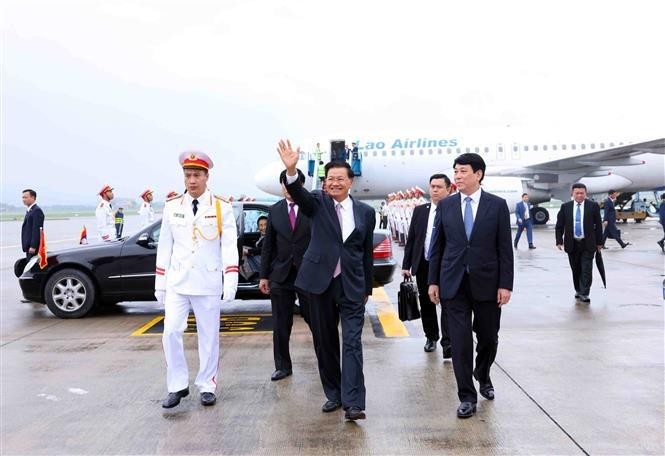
(176, 312)
(343, 384)
(528, 226)
(581, 264)
(428, 309)
(283, 298)
(485, 323)
(612, 231)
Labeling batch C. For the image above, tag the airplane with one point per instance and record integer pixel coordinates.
(543, 169)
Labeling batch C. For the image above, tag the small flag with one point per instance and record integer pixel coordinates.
(83, 237)
(43, 262)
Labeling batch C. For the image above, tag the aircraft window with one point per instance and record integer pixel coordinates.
(365, 153)
(477, 149)
(422, 151)
(439, 152)
(583, 146)
(526, 148)
(404, 152)
(500, 148)
(412, 152)
(373, 153)
(384, 153)
(554, 147)
(487, 150)
(449, 150)
(431, 151)
(535, 148)
(458, 150)
(602, 145)
(593, 145)
(394, 152)
(611, 144)
(468, 150)
(563, 147)
(573, 146)
(545, 147)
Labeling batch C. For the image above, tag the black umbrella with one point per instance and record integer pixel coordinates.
(601, 267)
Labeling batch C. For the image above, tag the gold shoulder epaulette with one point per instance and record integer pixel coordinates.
(174, 198)
(221, 198)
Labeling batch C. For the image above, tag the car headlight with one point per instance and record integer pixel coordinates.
(31, 262)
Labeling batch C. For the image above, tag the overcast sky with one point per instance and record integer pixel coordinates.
(108, 91)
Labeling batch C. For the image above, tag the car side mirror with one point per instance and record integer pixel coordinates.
(146, 241)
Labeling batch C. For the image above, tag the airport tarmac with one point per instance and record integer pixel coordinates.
(570, 378)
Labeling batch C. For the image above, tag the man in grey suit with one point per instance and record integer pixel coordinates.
(337, 272)
(471, 270)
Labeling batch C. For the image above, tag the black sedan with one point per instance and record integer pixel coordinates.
(77, 279)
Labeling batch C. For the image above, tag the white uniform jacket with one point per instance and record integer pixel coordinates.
(105, 221)
(147, 214)
(192, 257)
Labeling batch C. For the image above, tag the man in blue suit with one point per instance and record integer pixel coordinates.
(661, 219)
(336, 270)
(33, 221)
(524, 221)
(610, 220)
(471, 270)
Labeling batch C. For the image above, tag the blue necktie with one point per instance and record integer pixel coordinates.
(468, 217)
(578, 222)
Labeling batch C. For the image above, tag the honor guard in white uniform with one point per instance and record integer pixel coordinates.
(104, 215)
(146, 212)
(197, 264)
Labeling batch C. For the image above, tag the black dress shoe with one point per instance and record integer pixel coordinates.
(447, 353)
(531, 246)
(354, 413)
(625, 245)
(585, 298)
(330, 406)
(487, 391)
(280, 374)
(173, 399)
(466, 410)
(430, 345)
(208, 398)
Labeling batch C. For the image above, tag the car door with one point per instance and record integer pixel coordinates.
(137, 264)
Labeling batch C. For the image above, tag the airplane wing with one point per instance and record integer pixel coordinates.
(591, 161)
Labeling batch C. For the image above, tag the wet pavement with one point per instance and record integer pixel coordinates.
(570, 378)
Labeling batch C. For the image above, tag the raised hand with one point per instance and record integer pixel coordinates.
(288, 155)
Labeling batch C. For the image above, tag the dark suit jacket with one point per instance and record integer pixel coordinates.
(282, 248)
(415, 244)
(33, 221)
(609, 213)
(592, 226)
(488, 254)
(326, 245)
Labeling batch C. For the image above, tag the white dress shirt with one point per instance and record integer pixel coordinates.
(526, 211)
(475, 199)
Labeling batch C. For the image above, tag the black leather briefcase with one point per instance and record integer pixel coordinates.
(407, 300)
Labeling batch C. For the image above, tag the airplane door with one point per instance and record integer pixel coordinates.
(515, 153)
(500, 152)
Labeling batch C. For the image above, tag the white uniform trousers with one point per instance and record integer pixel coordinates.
(207, 312)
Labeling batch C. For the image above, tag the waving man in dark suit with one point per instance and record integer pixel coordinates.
(337, 271)
(471, 270)
(33, 221)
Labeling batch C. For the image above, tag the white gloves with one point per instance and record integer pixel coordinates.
(160, 295)
(229, 294)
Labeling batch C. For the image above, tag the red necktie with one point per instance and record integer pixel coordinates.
(292, 216)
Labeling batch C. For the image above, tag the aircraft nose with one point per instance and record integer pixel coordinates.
(267, 179)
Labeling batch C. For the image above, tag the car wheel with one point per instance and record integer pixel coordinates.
(70, 293)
